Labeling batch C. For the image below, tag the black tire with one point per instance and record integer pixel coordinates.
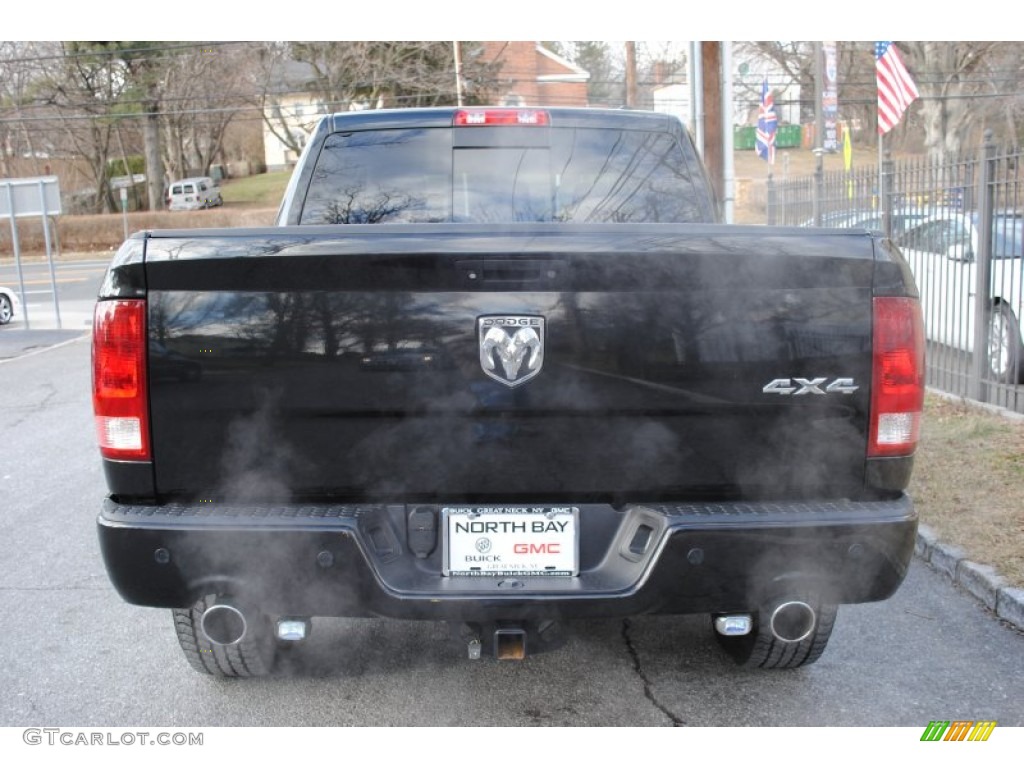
(1004, 345)
(252, 656)
(761, 649)
(6, 309)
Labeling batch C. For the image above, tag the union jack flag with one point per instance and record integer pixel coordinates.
(767, 124)
(896, 88)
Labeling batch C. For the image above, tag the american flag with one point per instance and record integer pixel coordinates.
(767, 123)
(896, 88)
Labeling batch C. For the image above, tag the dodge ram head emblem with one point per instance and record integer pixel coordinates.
(511, 347)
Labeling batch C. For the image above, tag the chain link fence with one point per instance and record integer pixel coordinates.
(960, 225)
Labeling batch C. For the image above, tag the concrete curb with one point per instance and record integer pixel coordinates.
(981, 581)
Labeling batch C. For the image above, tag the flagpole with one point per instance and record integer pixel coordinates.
(882, 194)
(881, 134)
(767, 126)
(770, 184)
(881, 142)
(896, 90)
(881, 139)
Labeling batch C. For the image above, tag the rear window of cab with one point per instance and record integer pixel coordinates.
(503, 174)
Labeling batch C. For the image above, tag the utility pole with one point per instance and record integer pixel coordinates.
(457, 51)
(728, 143)
(711, 69)
(696, 97)
(631, 74)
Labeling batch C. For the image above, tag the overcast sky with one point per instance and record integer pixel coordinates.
(469, 20)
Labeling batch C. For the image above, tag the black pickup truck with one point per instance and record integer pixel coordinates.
(503, 368)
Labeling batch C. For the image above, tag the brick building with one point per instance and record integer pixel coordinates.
(532, 75)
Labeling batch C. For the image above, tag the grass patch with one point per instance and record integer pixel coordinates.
(968, 483)
(262, 190)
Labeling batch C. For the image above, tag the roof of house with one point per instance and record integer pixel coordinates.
(575, 74)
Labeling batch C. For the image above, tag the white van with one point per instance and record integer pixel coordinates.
(193, 194)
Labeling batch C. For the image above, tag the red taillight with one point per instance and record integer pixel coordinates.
(897, 392)
(119, 392)
(508, 116)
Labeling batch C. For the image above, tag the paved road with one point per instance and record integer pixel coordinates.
(72, 653)
(78, 283)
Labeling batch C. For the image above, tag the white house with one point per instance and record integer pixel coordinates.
(747, 75)
(289, 110)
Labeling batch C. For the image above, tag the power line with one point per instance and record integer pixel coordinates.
(242, 108)
(115, 53)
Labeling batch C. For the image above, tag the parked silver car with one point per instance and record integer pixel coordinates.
(902, 220)
(9, 305)
(942, 254)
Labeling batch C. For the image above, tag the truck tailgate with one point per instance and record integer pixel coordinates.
(677, 361)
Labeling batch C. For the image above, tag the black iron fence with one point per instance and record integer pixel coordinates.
(960, 225)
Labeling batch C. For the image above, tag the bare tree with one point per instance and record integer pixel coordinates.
(82, 90)
(965, 87)
(796, 59)
(341, 76)
(1005, 78)
(93, 89)
(143, 64)
(606, 86)
(658, 63)
(954, 78)
(15, 95)
(203, 90)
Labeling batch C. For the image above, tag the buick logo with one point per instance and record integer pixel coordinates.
(511, 347)
(483, 544)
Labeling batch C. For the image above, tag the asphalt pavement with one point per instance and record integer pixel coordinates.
(77, 284)
(74, 653)
(980, 580)
(15, 342)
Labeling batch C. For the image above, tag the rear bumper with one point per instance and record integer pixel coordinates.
(351, 560)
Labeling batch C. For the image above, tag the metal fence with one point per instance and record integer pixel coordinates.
(960, 225)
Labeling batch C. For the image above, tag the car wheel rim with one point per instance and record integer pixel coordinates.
(999, 346)
(5, 311)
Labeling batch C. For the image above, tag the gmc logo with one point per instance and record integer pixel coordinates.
(537, 549)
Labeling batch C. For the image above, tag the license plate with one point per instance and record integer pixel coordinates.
(511, 541)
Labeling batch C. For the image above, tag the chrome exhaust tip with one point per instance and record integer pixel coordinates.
(223, 624)
(792, 621)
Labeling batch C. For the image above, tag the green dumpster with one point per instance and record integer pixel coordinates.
(788, 136)
(744, 137)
